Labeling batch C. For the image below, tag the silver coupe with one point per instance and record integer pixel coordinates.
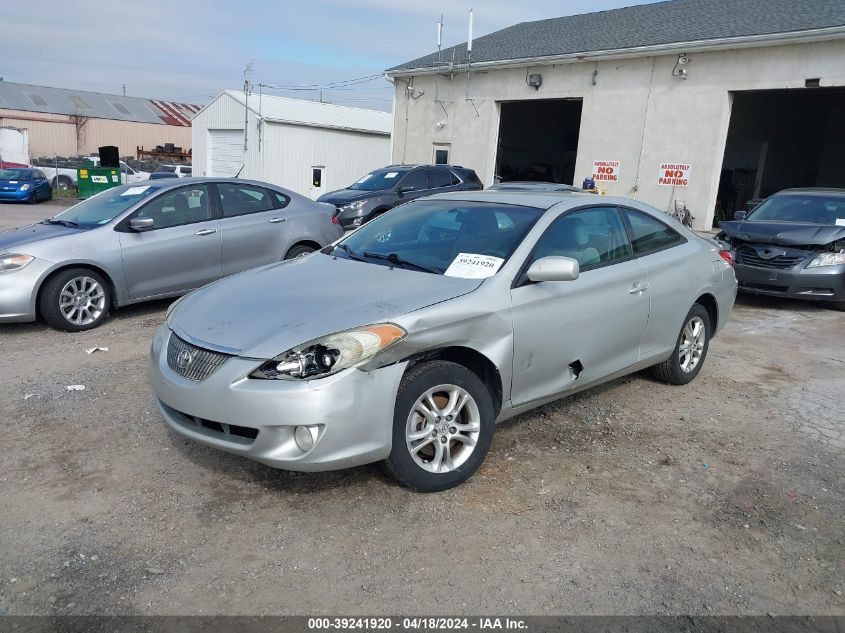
(407, 340)
(149, 240)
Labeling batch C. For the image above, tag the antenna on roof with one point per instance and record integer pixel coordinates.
(437, 100)
(469, 65)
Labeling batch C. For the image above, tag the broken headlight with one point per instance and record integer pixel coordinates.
(834, 258)
(330, 354)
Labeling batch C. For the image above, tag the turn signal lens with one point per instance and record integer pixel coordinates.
(726, 255)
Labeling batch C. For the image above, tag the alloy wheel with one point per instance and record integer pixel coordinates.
(443, 428)
(692, 344)
(82, 300)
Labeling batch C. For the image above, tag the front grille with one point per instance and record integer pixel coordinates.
(190, 361)
(748, 256)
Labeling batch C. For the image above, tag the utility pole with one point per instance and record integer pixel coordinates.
(247, 89)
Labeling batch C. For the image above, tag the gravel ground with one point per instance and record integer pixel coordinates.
(721, 497)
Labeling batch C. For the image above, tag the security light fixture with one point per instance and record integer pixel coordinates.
(535, 80)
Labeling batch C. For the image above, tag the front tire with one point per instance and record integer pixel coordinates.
(74, 300)
(442, 427)
(690, 349)
(299, 250)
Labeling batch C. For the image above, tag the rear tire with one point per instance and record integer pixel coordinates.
(442, 427)
(62, 183)
(690, 349)
(299, 250)
(75, 300)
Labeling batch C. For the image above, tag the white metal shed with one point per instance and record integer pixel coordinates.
(306, 146)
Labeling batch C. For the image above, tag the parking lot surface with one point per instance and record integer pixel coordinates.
(720, 497)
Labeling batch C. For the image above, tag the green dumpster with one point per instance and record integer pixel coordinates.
(93, 180)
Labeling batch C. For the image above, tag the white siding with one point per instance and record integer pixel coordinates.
(290, 151)
(285, 153)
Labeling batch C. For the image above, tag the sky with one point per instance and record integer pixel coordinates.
(191, 50)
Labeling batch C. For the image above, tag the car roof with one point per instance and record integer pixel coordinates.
(816, 190)
(526, 198)
(409, 166)
(172, 183)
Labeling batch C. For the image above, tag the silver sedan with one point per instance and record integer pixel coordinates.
(410, 338)
(151, 240)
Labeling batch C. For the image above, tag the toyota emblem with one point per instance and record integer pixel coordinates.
(184, 359)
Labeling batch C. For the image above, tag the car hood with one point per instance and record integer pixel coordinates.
(344, 196)
(14, 182)
(11, 240)
(266, 311)
(783, 233)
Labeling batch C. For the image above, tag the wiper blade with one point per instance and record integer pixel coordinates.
(350, 253)
(61, 222)
(395, 259)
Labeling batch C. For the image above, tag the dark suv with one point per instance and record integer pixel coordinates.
(390, 186)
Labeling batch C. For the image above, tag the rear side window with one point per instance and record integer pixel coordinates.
(440, 178)
(243, 199)
(278, 200)
(649, 235)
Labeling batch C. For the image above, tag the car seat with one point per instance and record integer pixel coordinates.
(568, 237)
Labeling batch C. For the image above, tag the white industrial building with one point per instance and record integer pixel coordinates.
(306, 146)
(706, 102)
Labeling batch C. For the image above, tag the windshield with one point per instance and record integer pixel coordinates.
(805, 208)
(459, 239)
(15, 174)
(105, 206)
(378, 180)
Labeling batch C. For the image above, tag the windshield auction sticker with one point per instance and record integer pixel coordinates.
(473, 266)
(134, 191)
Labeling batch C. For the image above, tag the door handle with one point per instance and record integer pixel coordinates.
(206, 232)
(277, 220)
(638, 288)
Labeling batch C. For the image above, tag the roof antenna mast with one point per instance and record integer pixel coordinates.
(468, 68)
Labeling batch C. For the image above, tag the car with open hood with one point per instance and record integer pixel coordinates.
(791, 245)
(151, 240)
(408, 339)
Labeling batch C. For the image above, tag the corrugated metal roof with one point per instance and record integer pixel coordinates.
(661, 23)
(316, 114)
(96, 105)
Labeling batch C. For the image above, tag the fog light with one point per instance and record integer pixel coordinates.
(305, 436)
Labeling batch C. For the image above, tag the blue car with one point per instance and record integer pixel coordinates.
(23, 184)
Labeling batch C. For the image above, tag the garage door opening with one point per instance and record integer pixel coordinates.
(538, 140)
(779, 139)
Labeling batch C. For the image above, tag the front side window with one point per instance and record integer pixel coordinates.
(186, 205)
(430, 234)
(593, 237)
(649, 234)
(243, 199)
(415, 180)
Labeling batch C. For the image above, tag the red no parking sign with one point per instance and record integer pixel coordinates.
(606, 170)
(676, 174)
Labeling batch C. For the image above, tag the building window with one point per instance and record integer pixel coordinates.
(441, 154)
(316, 177)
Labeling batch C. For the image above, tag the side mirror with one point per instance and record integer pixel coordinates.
(141, 224)
(740, 215)
(405, 189)
(554, 269)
